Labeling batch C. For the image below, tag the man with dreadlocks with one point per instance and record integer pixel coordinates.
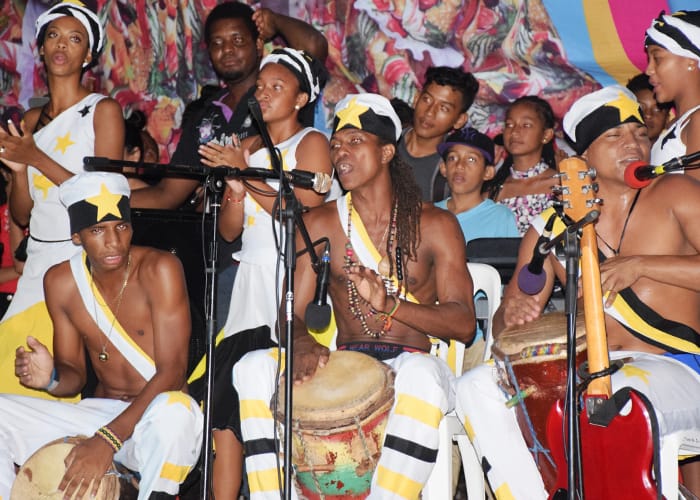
(398, 275)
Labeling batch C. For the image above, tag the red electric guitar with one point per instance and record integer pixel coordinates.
(617, 452)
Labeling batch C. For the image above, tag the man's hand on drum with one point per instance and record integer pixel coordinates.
(520, 309)
(370, 287)
(309, 355)
(618, 273)
(33, 367)
(86, 464)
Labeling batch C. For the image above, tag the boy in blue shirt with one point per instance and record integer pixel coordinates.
(467, 162)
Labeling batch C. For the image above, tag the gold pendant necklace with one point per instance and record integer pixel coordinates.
(103, 356)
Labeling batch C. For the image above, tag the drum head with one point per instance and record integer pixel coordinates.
(351, 385)
(39, 477)
(547, 330)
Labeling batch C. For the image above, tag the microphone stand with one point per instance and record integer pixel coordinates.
(214, 184)
(291, 216)
(572, 251)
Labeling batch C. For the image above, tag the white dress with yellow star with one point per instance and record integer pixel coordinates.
(66, 139)
(253, 301)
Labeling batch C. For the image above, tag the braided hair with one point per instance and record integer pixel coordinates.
(408, 197)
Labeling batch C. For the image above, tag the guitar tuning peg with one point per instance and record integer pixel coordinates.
(559, 189)
(592, 173)
(559, 175)
(590, 187)
(594, 201)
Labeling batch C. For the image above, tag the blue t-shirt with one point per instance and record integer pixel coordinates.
(486, 220)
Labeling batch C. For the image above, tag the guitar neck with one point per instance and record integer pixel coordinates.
(594, 315)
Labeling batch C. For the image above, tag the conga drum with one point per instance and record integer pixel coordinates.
(41, 474)
(532, 368)
(339, 417)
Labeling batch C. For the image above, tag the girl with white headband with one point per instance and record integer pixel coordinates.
(673, 50)
(287, 87)
(47, 151)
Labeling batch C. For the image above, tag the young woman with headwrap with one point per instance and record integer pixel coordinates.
(673, 50)
(48, 150)
(286, 88)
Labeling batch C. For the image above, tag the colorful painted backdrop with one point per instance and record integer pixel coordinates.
(154, 59)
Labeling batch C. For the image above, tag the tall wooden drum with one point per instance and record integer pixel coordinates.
(531, 360)
(339, 417)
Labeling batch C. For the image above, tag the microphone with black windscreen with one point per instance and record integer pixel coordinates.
(318, 312)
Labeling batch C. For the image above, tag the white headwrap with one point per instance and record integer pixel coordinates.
(679, 33)
(300, 63)
(87, 18)
(370, 112)
(594, 113)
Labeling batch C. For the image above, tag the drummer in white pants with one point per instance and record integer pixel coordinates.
(649, 276)
(384, 306)
(128, 308)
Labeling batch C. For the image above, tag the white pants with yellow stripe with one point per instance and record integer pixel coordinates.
(424, 393)
(163, 448)
(672, 388)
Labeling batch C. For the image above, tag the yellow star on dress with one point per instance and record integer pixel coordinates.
(634, 371)
(351, 115)
(43, 184)
(106, 203)
(63, 143)
(626, 106)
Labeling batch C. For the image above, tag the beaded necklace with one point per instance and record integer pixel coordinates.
(354, 299)
(541, 167)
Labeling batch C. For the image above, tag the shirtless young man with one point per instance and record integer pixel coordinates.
(128, 307)
(380, 310)
(651, 281)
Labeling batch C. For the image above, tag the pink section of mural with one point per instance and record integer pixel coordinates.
(154, 59)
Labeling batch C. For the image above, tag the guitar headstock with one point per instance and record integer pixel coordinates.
(578, 190)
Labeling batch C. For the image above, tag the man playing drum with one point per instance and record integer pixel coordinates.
(128, 307)
(384, 306)
(650, 280)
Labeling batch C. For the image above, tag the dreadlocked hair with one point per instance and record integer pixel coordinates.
(407, 196)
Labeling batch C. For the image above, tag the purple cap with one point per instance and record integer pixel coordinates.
(471, 137)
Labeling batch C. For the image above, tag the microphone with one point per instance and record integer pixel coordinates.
(318, 181)
(639, 174)
(318, 312)
(256, 112)
(531, 278)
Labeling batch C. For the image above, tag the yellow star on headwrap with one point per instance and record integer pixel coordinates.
(626, 106)
(634, 371)
(62, 143)
(106, 203)
(43, 184)
(351, 115)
